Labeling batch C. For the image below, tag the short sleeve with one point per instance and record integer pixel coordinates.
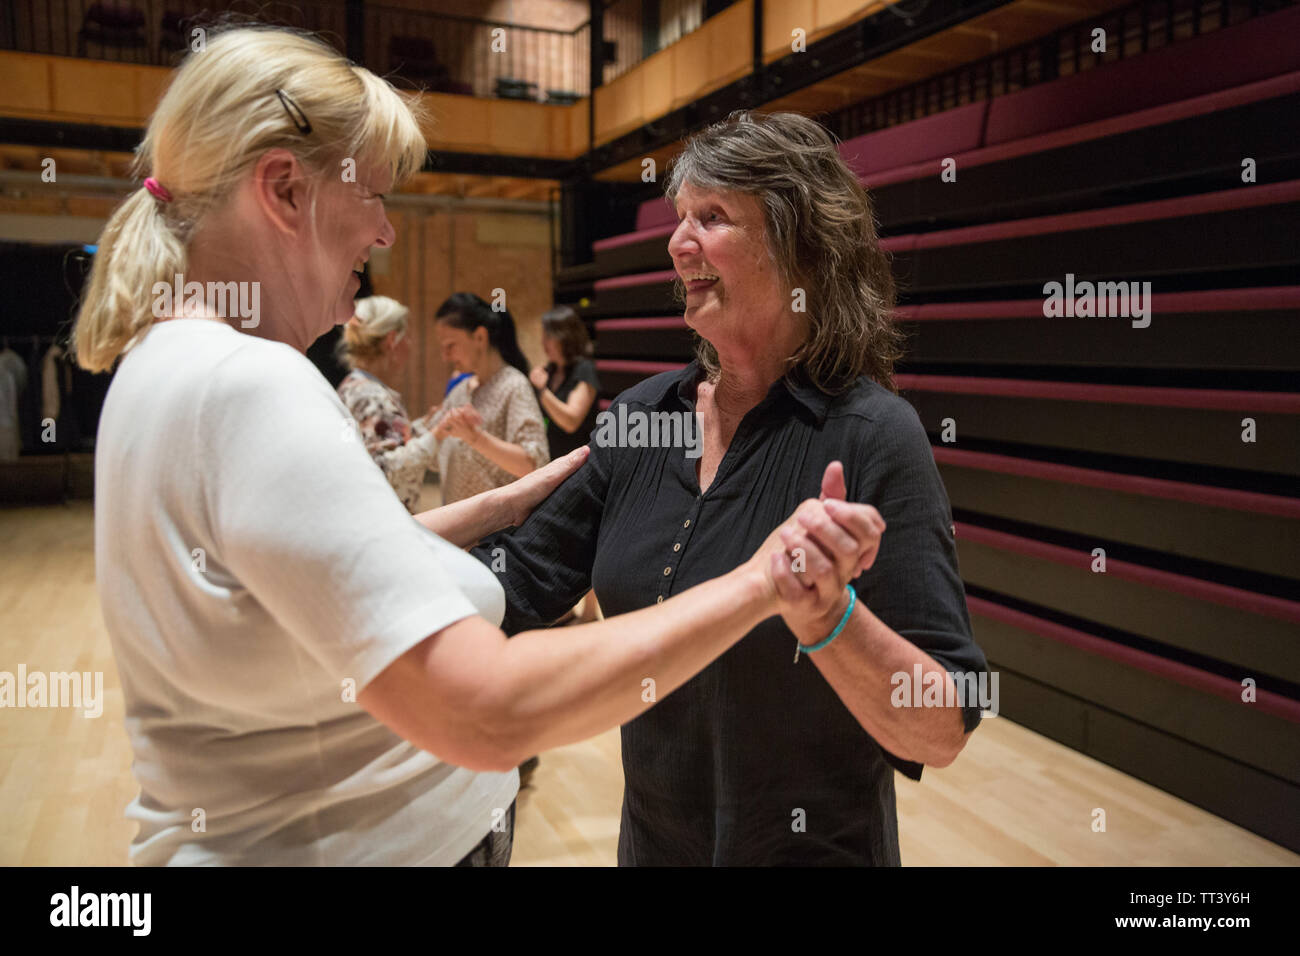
(306, 523)
(584, 370)
(524, 425)
(545, 564)
(915, 586)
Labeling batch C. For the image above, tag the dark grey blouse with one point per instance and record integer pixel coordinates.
(755, 760)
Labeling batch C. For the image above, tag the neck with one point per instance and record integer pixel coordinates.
(489, 365)
(376, 368)
(744, 379)
(210, 259)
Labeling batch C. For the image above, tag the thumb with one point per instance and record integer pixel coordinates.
(833, 482)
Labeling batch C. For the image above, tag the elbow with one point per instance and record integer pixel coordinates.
(503, 739)
(945, 753)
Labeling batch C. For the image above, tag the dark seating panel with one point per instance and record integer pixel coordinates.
(1194, 426)
(655, 338)
(1148, 687)
(638, 251)
(1248, 231)
(647, 293)
(618, 375)
(1225, 329)
(1188, 147)
(1248, 530)
(1220, 783)
(1204, 618)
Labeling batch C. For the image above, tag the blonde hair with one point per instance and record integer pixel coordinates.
(220, 114)
(364, 333)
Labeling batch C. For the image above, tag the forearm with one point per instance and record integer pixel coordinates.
(860, 665)
(504, 454)
(465, 522)
(558, 687)
(421, 450)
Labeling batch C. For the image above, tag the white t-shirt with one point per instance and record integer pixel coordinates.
(251, 560)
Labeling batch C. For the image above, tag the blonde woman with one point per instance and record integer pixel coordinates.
(375, 347)
(294, 648)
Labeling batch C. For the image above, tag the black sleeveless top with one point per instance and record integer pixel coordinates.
(560, 441)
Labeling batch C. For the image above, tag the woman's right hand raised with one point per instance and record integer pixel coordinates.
(810, 557)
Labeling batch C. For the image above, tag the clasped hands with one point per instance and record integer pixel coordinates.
(463, 422)
(810, 557)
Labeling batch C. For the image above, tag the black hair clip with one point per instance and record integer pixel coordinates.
(295, 112)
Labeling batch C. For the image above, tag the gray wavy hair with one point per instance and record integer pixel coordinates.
(821, 234)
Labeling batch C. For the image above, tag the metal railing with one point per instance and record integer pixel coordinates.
(474, 56)
(634, 30)
(436, 52)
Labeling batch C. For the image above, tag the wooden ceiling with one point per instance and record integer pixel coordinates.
(1000, 29)
(1009, 26)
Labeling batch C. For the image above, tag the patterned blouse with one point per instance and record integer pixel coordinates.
(508, 405)
(403, 449)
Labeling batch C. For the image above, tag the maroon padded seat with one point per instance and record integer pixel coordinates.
(1256, 50)
(1227, 199)
(663, 232)
(1214, 399)
(1209, 300)
(931, 137)
(638, 279)
(1194, 678)
(655, 212)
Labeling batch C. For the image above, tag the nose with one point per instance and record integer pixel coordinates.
(387, 235)
(683, 241)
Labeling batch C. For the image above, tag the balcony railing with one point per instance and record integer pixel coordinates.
(416, 49)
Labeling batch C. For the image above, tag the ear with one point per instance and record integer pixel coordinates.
(280, 189)
(481, 336)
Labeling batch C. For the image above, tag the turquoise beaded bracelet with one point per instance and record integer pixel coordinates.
(848, 611)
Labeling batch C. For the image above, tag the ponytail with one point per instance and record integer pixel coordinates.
(466, 311)
(136, 249)
(223, 110)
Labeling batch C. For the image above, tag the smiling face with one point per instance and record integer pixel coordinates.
(463, 351)
(352, 220)
(734, 291)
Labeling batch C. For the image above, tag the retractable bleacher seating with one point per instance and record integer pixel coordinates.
(1065, 440)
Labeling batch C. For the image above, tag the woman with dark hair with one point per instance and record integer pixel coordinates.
(759, 759)
(567, 385)
(566, 389)
(489, 428)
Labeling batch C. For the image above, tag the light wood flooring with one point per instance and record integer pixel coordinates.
(1013, 797)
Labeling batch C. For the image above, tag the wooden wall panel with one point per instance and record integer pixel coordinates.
(25, 83)
(781, 18)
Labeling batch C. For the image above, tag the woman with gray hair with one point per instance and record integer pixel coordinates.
(759, 760)
(375, 348)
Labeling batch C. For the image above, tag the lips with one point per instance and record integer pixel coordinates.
(699, 281)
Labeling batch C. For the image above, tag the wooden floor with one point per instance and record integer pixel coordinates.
(1013, 797)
